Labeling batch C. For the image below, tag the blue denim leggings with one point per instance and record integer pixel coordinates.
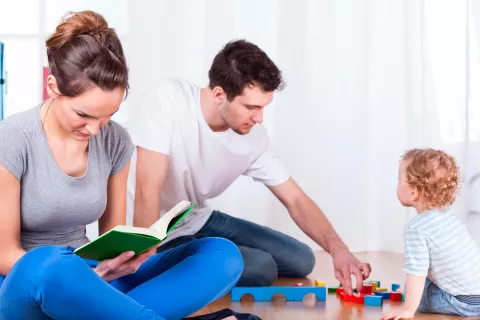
(52, 282)
(435, 300)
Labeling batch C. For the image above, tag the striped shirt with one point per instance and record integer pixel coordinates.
(438, 246)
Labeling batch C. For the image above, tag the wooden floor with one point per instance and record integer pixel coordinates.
(387, 268)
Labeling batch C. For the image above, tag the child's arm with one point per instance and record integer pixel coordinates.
(417, 264)
(413, 292)
(413, 295)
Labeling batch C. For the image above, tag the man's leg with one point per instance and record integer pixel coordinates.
(260, 269)
(176, 243)
(292, 258)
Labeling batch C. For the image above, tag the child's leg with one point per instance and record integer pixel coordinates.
(435, 300)
(52, 282)
(182, 280)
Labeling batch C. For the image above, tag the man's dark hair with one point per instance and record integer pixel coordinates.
(241, 63)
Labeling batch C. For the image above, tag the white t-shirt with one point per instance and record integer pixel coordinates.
(202, 163)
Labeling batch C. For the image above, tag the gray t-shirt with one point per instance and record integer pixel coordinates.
(55, 207)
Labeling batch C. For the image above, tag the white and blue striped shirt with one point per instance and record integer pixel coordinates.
(438, 246)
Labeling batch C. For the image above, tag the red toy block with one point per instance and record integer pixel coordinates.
(342, 296)
(354, 298)
(395, 296)
(339, 290)
(366, 289)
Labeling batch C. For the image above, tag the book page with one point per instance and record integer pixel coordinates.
(161, 225)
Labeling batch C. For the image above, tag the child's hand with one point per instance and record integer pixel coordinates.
(398, 315)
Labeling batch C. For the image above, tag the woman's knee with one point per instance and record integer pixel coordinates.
(224, 254)
(42, 265)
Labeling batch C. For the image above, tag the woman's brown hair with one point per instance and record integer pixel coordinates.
(83, 51)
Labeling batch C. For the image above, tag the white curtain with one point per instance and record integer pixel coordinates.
(365, 81)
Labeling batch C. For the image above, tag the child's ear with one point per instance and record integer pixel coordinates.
(415, 194)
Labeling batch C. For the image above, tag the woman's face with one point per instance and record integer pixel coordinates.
(82, 116)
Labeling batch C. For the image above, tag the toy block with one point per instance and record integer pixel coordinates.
(374, 286)
(338, 290)
(374, 281)
(332, 290)
(300, 284)
(403, 296)
(381, 290)
(342, 296)
(319, 292)
(319, 283)
(384, 295)
(366, 289)
(395, 286)
(260, 293)
(290, 293)
(357, 299)
(395, 296)
(373, 301)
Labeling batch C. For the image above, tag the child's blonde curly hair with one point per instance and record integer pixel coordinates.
(434, 174)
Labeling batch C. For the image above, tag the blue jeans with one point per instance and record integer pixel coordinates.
(435, 300)
(53, 282)
(267, 254)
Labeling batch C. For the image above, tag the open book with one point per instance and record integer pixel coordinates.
(123, 238)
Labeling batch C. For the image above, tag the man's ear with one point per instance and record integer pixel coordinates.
(219, 96)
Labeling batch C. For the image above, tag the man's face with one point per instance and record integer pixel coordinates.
(246, 110)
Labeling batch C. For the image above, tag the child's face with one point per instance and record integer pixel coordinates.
(406, 194)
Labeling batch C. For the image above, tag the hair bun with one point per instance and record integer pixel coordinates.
(76, 24)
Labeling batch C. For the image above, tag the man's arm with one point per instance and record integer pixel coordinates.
(315, 224)
(151, 172)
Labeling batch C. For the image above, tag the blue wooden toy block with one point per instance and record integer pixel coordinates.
(290, 293)
(300, 292)
(373, 301)
(395, 286)
(384, 295)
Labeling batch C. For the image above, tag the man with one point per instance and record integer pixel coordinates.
(192, 143)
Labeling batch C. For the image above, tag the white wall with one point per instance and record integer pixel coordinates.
(365, 81)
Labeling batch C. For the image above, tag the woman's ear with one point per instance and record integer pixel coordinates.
(52, 87)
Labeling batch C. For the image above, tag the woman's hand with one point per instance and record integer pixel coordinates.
(123, 265)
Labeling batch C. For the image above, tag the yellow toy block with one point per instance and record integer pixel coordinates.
(374, 286)
(319, 283)
(381, 290)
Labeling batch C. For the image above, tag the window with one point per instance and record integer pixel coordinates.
(451, 48)
(24, 27)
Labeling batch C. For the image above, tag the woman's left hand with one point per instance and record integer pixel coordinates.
(123, 265)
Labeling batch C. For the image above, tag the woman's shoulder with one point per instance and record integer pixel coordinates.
(114, 136)
(20, 124)
(113, 132)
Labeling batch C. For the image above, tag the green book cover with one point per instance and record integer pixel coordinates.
(122, 238)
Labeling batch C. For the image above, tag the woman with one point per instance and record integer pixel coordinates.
(63, 165)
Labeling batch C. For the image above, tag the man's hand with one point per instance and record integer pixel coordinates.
(123, 265)
(398, 315)
(345, 264)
